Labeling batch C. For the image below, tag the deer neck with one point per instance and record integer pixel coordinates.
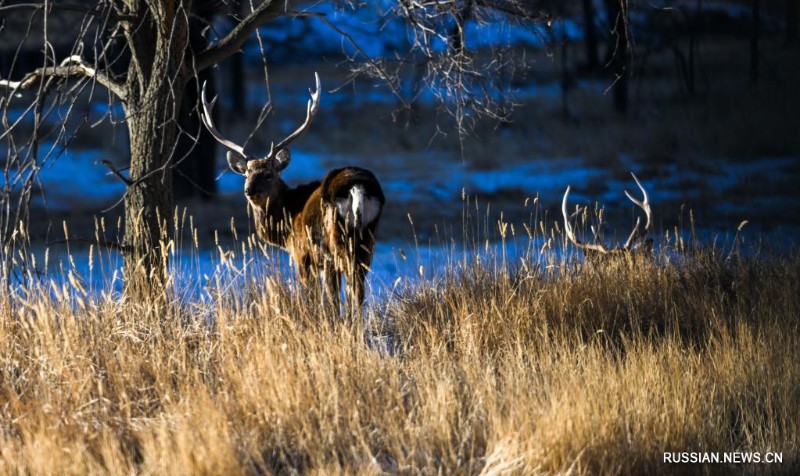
(274, 224)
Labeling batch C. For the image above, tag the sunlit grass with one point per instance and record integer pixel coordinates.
(492, 363)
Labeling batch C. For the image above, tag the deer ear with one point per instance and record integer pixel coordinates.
(282, 159)
(237, 162)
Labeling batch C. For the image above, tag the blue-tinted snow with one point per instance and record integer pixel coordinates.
(22, 110)
(66, 175)
(199, 274)
(397, 263)
(70, 175)
(78, 177)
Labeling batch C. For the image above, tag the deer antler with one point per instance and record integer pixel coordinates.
(311, 112)
(597, 247)
(208, 121)
(635, 237)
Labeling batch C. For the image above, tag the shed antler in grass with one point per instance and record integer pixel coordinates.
(636, 240)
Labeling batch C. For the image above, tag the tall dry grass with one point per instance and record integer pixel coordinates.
(497, 369)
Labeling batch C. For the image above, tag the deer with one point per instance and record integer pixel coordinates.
(636, 242)
(327, 226)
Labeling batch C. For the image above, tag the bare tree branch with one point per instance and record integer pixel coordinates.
(69, 7)
(377, 67)
(233, 41)
(71, 66)
(116, 172)
(527, 10)
(42, 6)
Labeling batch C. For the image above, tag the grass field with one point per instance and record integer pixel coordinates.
(495, 367)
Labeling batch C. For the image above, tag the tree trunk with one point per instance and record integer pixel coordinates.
(592, 60)
(236, 71)
(693, 22)
(565, 76)
(754, 37)
(158, 38)
(196, 149)
(620, 53)
(237, 75)
(148, 203)
(791, 20)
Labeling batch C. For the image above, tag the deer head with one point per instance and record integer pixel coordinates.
(262, 175)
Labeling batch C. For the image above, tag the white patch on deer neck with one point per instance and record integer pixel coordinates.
(358, 210)
(357, 198)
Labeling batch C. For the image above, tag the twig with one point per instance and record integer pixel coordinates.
(71, 66)
(233, 41)
(114, 170)
(349, 38)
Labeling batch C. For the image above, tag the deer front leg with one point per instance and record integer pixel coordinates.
(331, 284)
(363, 260)
(304, 267)
(356, 275)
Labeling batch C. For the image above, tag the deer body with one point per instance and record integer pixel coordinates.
(328, 227)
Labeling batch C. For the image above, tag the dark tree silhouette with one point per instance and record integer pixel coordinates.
(792, 8)
(619, 53)
(196, 150)
(590, 40)
(754, 40)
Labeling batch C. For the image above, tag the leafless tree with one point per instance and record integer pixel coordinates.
(137, 50)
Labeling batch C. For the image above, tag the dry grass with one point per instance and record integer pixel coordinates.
(563, 368)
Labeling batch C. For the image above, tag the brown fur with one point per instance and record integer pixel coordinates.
(303, 221)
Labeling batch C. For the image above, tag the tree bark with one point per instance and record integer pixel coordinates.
(157, 35)
(158, 39)
(238, 87)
